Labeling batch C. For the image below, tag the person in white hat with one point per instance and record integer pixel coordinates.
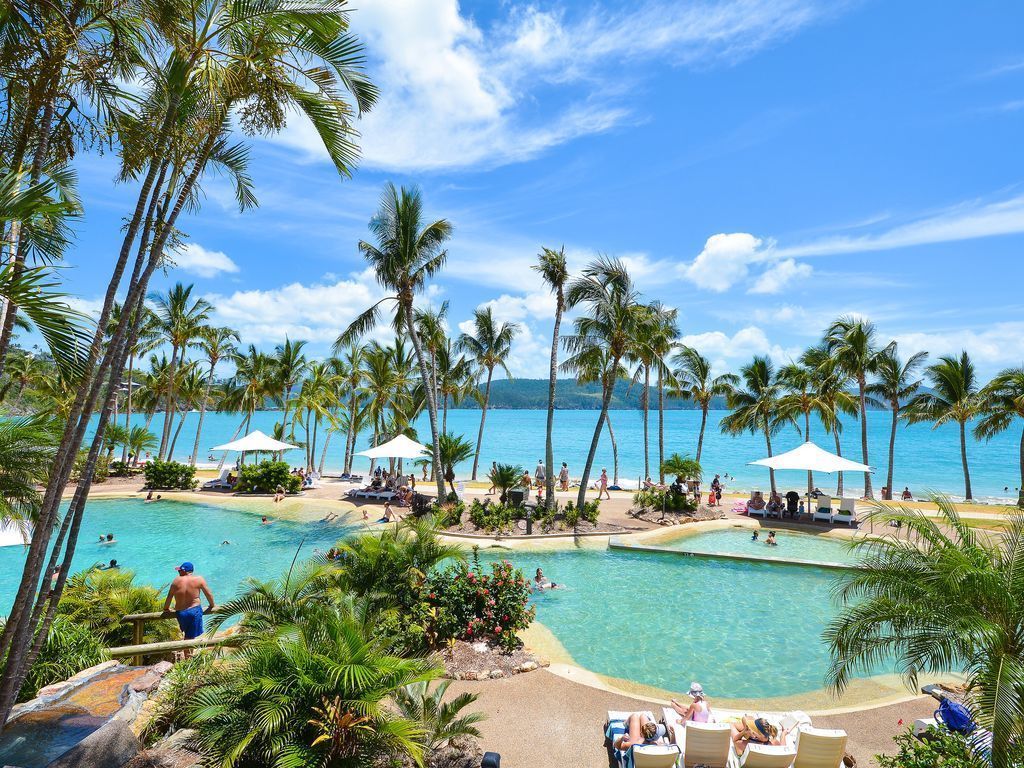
(699, 710)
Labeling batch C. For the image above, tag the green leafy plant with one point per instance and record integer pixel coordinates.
(589, 513)
(170, 475)
(69, 648)
(98, 599)
(449, 513)
(656, 500)
(492, 517)
(441, 721)
(505, 477)
(473, 604)
(100, 473)
(940, 748)
(266, 476)
(177, 691)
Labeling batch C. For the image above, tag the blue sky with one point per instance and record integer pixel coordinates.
(762, 165)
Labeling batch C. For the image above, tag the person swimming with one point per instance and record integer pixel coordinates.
(265, 521)
(540, 581)
(770, 541)
(756, 535)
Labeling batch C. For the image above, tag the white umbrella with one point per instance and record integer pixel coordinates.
(401, 447)
(812, 458)
(255, 441)
(15, 532)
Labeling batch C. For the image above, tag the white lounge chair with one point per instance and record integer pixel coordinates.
(847, 512)
(767, 756)
(707, 744)
(762, 512)
(819, 748)
(655, 755)
(824, 509)
(220, 482)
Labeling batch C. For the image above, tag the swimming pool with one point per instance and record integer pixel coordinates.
(791, 546)
(153, 538)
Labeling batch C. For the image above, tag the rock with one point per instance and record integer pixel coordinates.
(144, 717)
(527, 666)
(496, 674)
(179, 738)
(481, 647)
(71, 682)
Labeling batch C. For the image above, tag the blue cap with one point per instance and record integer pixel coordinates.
(187, 567)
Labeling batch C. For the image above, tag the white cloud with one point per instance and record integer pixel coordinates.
(725, 261)
(966, 221)
(727, 352)
(193, 258)
(455, 94)
(778, 276)
(1001, 344)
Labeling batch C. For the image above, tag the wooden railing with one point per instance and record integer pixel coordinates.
(138, 648)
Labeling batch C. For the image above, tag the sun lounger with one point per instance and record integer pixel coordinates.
(708, 744)
(767, 756)
(655, 756)
(847, 512)
(220, 482)
(660, 755)
(819, 748)
(824, 510)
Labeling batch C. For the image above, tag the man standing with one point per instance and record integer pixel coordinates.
(184, 591)
(540, 475)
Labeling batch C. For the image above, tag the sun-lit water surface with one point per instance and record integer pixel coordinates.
(790, 546)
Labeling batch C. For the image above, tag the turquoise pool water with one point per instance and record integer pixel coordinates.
(153, 538)
(791, 546)
(741, 629)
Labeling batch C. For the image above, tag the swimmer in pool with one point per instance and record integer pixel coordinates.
(755, 536)
(770, 541)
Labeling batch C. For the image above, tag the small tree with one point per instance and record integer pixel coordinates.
(505, 477)
(683, 467)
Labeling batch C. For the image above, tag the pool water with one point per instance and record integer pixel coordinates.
(154, 538)
(791, 546)
(741, 628)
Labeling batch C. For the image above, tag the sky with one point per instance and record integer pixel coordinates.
(761, 165)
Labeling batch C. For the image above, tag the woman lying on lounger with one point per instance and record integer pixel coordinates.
(640, 729)
(755, 730)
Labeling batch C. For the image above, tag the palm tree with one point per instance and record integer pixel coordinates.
(834, 397)
(593, 368)
(291, 366)
(852, 343)
(408, 251)
(217, 345)
(454, 450)
(138, 440)
(431, 325)
(554, 270)
(191, 391)
(755, 406)
(489, 346)
(181, 319)
(1003, 399)
(317, 397)
(505, 477)
(27, 446)
(692, 380)
(454, 379)
(655, 340)
(145, 339)
(350, 378)
(896, 384)
(253, 383)
(682, 467)
(662, 341)
(441, 721)
(606, 331)
(803, 396)
(943, 599)
(954, 398)
(22, 370)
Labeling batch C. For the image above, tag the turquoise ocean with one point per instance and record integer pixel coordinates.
(927, 459)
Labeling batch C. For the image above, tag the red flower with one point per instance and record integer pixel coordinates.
(498, 629)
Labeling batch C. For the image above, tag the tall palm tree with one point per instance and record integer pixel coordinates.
(851, 341)
(455, 379)
(291, 366)
(607, 330)
(254, 382)
(27, 445)
(407, 252)
(655, 340)
(692, 380)
(350, 379)
(145, 340)
(801, 382)
(317, 397)
(834, 397)
(191, 392)
(662, 342)
(216, 344)
(755, 405)
(896, 383)
(554, 270)
(181, 317)
(1003, 399)
(596, 368)
(946, 598)
(954, 398)
(489, 345)
(431, 325)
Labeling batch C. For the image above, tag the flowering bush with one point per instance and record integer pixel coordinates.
(472, 604)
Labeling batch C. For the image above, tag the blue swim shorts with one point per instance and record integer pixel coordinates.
(191, 621)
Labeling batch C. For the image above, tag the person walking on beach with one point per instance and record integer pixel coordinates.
(540, 477)
(602, 485)
(494, 472)
(563, 477)
(185, 591)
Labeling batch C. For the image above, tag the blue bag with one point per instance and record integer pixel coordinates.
(955, 717)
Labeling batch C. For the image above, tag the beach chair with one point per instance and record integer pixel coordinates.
(819, 748)
(767, 756)
(655, 755)
(824, 509)
(616, 727)
(847, 512)
(763, 512)
(220, 482)
(708, 744)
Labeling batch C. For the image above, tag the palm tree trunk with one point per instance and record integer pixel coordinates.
(839, 452)
(615, 450)
(892, 446)
(807, 439)
(1020, 489)
(864, 436)
(431, 401)
(483, 418)
(165, 434)
(771, 472)
(234, 437)
(963, 458)
(700, 435)
(285, 397)
(549, 447)
(606, 398)
(444, 414)
(128, 403)
(323, 454)
(174, 441)
(202, 415)
(645, 405)
(661, 426)
(350, 436)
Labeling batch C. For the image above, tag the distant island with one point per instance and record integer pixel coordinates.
(524, 394)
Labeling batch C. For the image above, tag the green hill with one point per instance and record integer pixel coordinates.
(533, 393)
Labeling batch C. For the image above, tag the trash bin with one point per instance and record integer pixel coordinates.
(516, 497)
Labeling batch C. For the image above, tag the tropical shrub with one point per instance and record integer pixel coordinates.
(472, 604)
(492, 517)
(98, 600)
(441, 721)
(940, 748)
(504, 478)
(266, 476)
(100, 472)
(589, 513)
(170, 475)
(177, 691)
(449, 513)
(69, 648)
(656, 499)
(316, 692)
